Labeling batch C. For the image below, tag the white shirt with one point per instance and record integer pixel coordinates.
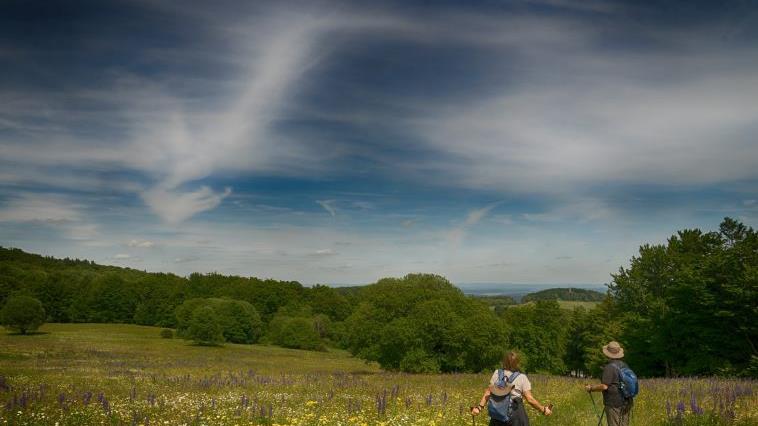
(521, 383)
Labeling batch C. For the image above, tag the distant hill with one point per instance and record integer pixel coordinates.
(518, 291)
(570, 294)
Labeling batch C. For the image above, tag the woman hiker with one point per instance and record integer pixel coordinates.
(509, 381)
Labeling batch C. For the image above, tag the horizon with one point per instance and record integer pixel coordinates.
(538, 141)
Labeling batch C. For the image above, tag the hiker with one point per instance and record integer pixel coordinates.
(506, 392)
(618, 408)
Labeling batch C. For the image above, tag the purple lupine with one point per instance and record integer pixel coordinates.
(696, 409)
(680, 408)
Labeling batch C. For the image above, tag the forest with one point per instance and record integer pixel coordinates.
(687, 307)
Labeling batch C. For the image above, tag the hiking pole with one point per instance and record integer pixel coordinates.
(594, 407)
(473, 417)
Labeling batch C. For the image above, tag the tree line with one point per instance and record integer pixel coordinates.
(687, 307)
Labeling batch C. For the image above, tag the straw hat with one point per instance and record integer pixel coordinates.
(501, 390)
(613, 350)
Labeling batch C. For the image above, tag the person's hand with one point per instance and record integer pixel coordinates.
(588, 388)
(475, 411)
(548, 410)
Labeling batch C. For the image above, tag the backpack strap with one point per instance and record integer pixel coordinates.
(513, 376)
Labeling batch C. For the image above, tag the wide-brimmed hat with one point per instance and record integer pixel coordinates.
(501, 390)
(613, 350)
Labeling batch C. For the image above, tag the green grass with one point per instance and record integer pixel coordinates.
(143, 377)
(569, 304)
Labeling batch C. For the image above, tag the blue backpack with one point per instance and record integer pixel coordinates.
(500, 407)
(628, 385)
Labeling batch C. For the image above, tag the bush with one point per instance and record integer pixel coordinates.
(167, 333)
(295, 333)
(239, 321)
(204, 327)
(22, 314)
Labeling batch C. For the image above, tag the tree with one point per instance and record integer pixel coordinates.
(22, 314)
(689, 307)
(422, 323)
(294, 332)
(204, 327)
(240, 322)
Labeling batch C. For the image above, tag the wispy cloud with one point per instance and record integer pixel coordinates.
(49, 208)
(176, 206)
(141, 244)
(328, 205)
(473, 217)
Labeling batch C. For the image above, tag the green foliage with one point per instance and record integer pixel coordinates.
(566, 294)
(690, 306)
(204, 327)
(497, 303)
(22, 314)
(167, 333)
(424, 319)
(589, 330)
(294, 332)
(239, 321)
(540, 332)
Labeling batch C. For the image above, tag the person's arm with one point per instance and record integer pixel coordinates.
(544, 409)
(482, 403)
(606, 379)
(601, 387)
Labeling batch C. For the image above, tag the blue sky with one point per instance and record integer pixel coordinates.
(537, 141)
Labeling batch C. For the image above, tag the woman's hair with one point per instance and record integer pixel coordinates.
(511, 361)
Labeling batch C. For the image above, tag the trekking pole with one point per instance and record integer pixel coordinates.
(473, 417)
(594, 407)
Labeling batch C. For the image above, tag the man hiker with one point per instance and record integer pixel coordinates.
(618, 407)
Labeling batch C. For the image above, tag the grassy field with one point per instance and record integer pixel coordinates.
(75, 374)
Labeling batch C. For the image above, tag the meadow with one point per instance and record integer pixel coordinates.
(76, 374)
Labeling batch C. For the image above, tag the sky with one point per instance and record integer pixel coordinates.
(533, 141)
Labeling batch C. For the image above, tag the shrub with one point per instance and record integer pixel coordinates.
(22, 314)
(296, 333)
(167, 333)
(239, 321)
(204, 327)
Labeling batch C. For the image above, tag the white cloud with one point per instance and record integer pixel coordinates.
(55, 211)
(328, 205)
(473, 217)
(587, 116)
(176, 206)
(122, 256)
(141, 244)
(40, 208)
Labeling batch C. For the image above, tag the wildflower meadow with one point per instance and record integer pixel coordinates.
(75, 374)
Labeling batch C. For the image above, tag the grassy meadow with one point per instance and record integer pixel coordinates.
(75, 374)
